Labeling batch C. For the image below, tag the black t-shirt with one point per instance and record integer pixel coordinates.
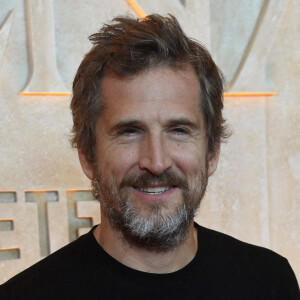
(223, 268)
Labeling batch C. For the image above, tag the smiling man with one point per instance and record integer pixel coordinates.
(151, 163)
(147, 111)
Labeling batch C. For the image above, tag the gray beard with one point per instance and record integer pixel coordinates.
(154, 231)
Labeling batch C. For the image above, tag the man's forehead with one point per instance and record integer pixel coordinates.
(157, 82)
(163, 95)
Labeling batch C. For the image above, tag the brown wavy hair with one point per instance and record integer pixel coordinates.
(128, 46)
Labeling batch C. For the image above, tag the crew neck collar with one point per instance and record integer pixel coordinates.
(115, 268)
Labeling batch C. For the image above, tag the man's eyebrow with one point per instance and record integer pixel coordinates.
(183, 121)
(171, 122)
(125, 123)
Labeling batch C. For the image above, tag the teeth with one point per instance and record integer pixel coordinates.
(154, 190)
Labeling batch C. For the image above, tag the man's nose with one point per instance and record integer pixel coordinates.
(154, 155)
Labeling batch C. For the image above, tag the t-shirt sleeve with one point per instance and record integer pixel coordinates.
(22, 286)
(290, 288)
(15, 292)
(4, 293)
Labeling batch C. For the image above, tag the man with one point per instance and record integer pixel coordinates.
(147, 111)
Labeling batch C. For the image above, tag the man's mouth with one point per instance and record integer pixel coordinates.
(153, 190)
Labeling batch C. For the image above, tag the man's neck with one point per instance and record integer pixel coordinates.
(143, 260)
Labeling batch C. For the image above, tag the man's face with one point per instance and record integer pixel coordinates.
(152, 164)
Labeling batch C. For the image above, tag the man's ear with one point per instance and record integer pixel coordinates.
(87, 167)
(213, 159)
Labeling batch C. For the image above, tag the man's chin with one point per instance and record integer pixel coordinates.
(154, 228)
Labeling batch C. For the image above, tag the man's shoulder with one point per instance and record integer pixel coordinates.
(63, 257)
(249, 264)
(229, 246)
(54, 268)
(240, 268)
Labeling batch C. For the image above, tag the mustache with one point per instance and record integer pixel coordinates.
(167, 178)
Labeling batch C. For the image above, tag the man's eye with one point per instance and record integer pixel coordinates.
(129, 131)
(179, 130)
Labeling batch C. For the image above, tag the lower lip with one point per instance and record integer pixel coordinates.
(155, 197)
